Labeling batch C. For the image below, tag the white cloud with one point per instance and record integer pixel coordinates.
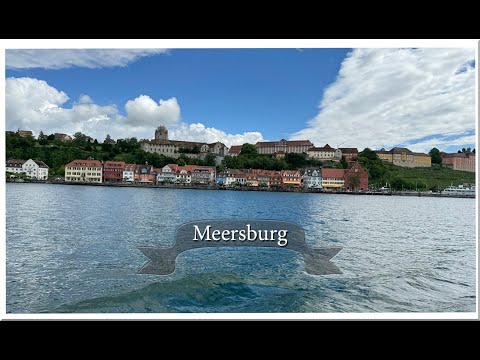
(386, 97)
(442, 143)
(33, 104)
(199, 132)
(145, 111)
(85, 99)
(65, 58)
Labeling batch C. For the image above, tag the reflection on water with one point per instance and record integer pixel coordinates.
(74, 249)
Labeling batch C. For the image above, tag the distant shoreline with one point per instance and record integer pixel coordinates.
(288, 190)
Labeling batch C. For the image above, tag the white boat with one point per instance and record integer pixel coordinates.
(459, 190)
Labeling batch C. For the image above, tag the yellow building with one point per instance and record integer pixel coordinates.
(84, 170)
(291, 177)
(332, 178)
(405, 157)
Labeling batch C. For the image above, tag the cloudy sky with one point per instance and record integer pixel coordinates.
(418, 98)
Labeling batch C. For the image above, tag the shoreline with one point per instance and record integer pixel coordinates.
(207, 187)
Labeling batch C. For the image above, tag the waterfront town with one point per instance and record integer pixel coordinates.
(335, 169)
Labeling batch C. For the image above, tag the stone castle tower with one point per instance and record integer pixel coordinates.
(161, 133)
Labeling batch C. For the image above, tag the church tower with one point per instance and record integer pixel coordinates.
(161, 133)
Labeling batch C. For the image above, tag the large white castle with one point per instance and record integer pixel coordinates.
(175, 148)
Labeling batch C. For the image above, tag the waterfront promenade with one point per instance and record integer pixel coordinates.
(249, 188)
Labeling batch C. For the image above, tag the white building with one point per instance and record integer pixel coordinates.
(323, 153)
(285, 146)
(168, 174)
(129, 173)
(203, 174)
(175, 148)
(184, 176)
(312, 178)
(34, 169)
(230, 177)
(15, 166)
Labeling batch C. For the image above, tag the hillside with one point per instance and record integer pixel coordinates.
(399, 178)
(56, 154)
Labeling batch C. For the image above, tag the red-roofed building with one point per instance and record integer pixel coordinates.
(167, 174)
(291, 177)
(113, 171)
(356, 178)
(184, 175)
(235, 150)
(203, 174)
(145, 174)
(24, 133)
(349, 153)
(333, 178)
(84, 170)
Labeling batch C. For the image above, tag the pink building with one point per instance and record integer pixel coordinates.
(459, 161)
(145, 174)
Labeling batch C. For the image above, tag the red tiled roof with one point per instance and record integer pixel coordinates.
(324, 148)
(291, 172)
(87, 163)
(349, 150)
(460, 155)
(286, 142)
(332, 173)
(235, 149)
(191, 168)
(299, 142)
(114, 164)
(174, 167)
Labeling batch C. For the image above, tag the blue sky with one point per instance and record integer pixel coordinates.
(359, 97)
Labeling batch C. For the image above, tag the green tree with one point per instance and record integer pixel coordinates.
(79, 138)
(210, 160)
(42, 138)
(248, 149)
(295, 161)
(436, 157)
(220, 168)
(367, 154)
(60, 171)
(342, 164)
(399, 183)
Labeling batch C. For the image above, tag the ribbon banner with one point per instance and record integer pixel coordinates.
(246, 233)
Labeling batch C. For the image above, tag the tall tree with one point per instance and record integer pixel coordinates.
(108, 139)
(248, 149)
(436, 156)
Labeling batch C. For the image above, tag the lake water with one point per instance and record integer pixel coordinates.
(74, 249)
